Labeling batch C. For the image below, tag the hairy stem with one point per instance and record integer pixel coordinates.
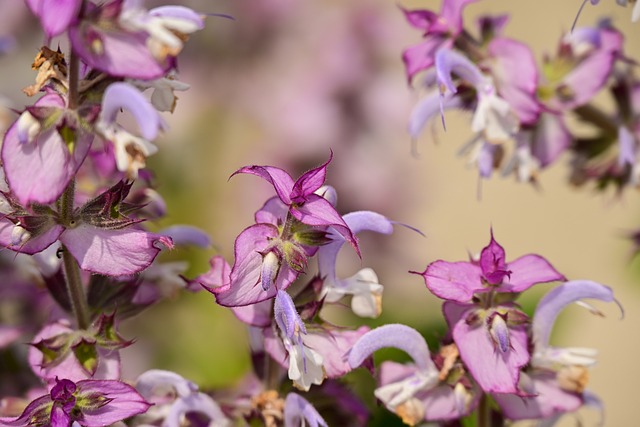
(75, 289)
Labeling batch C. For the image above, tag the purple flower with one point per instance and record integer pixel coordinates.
(257, 273)
(366, 292)
(90, 403)
(153, 386)
(491, 337)
(130, 150)
(59, 337)
(305, 364)
(439, 31)
(299, 412)
(99, 236)
(123, 39)
(38, 161)
(555, 381)
(301, 199)
(55, 15)
(459, 281)
(413, 391)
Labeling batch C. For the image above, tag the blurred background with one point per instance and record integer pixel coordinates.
(288, 80)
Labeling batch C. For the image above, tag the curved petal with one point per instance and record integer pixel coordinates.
(550, 138)
(280, 179)
(274, 211)
(180, 13)
(516, 74)
(441, 403)
(309, 182)
(196, 402)
(112, 252)
(217, 279)
(558, 298)
(529, 270)
(454, 281)
(245, 287)
(449, 62)
(393, 335)
(258, 315)
(123, 96)
(156, 379)
(356, 222)
(39, 171)
(26, 417)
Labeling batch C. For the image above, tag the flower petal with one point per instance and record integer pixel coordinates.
(454, 281)
(297, 411)
(495, 371)
(309, 182)
(547, 399)
(527, 271)
(558, 298)
(39, 171)
(112, 252)
(317, 211)
(397, 336)
(280, 179)
(123, 96)
(55, 15)
(124, 402)
(356, 222)
(115, 52)
(332, 345)
(35, 243)
(245, 285)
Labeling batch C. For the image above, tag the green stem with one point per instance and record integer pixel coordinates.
(75, 289)
(484, 412)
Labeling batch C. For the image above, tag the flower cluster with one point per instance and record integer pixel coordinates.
(493, 347)
(521, 108)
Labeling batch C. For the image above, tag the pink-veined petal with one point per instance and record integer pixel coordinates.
(494, 370)
(39, 171)
(245, 285)
(280, 179)
(454, 281)
(124, 402)
(112, 252)
(309, 182)
(527, 271)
